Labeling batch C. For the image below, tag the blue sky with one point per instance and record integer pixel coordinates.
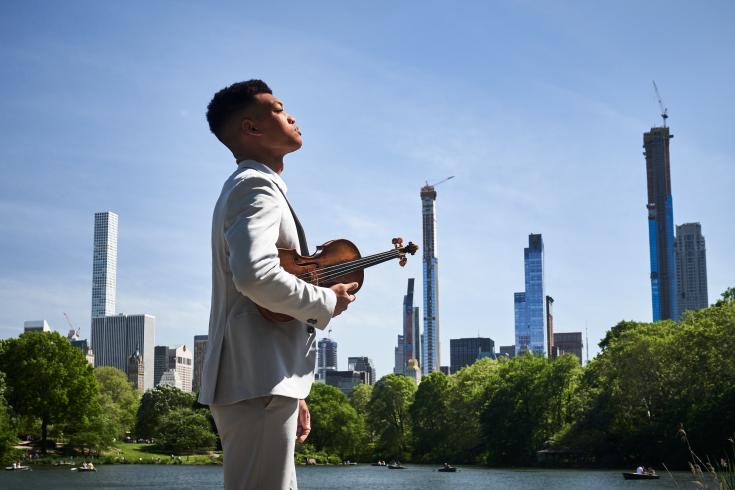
(537, 108)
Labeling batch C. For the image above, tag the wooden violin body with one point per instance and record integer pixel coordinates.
(336, 261)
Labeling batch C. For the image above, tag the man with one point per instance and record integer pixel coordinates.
(257, 373)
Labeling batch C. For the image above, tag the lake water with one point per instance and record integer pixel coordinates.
(164, 477)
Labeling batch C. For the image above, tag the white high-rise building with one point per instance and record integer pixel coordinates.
(430, 353)
(36, 326)
(177, 359)
(691, 268)
(104, 265)
(173, 378)
(116, 338)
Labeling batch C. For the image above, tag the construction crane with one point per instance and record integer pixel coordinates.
(440, 182)
(664, 111)
(73, 328)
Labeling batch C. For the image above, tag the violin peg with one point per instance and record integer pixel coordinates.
(402, 261)
(397, 241)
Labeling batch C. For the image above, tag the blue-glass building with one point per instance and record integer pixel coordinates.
(530, 314)
(660, 224)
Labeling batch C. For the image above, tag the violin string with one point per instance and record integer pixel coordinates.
(334, 274)
(348, 266)
(320, 274)
(351, 263)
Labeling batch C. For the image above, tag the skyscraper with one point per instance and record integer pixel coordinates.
(530, 315)
(568, 343)
(408, 345)
(104, 265)
(410, 337)
(116, 338)
(430, 352)
(463, 352)
(691, 267)
(660, 224)
(399, 356)
(200, 348)
(326, 358)
(178, 359)
(160, 363)
(362, 364)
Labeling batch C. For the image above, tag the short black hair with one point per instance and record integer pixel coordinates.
(232, 99)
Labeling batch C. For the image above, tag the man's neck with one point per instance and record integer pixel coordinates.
(275, 163)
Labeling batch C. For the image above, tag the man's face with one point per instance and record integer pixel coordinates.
(278, 128)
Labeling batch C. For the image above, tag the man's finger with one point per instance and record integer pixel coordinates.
(352, 286)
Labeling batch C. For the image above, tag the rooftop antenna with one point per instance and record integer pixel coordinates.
(664, 111)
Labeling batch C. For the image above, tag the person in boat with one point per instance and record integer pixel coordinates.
(639, 471)
(650, 471)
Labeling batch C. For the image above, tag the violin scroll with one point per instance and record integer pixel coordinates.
(411, 248)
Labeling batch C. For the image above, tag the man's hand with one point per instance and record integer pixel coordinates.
(344, 297)
(303, 426)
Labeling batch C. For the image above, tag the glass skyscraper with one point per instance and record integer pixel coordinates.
(104, 265)
(430, 354)
(326, 358)
(660, 224)
(530, 314)
(408, 343)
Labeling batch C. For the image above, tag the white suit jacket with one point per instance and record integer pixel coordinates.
(248, 356)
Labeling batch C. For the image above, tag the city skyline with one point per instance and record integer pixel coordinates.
(541, 120)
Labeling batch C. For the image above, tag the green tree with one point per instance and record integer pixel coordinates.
(47, 378)
(360, 397)
(8, 434)
(117, 398)
(466, 401)
(431, 422)
(727, 297)
(183, 430)
(652, 379)
(155, 404)
(93, 432)
(335, 425)
(389, 416)
(527, 406)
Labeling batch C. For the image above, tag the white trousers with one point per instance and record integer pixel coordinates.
(258, 438)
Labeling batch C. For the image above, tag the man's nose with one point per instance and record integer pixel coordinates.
(291, 119)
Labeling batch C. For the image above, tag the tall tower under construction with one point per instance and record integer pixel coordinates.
(661, 223)
(430, 356)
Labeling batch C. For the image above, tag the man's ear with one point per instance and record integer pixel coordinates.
(247, 126)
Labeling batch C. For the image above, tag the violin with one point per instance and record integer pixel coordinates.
(337, 261)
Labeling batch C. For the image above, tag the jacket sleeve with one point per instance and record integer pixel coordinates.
(251, 231)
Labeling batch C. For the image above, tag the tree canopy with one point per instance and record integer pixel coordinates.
(155, 404)
(47, 378)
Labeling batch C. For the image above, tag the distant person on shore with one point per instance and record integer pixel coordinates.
(256, 372)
